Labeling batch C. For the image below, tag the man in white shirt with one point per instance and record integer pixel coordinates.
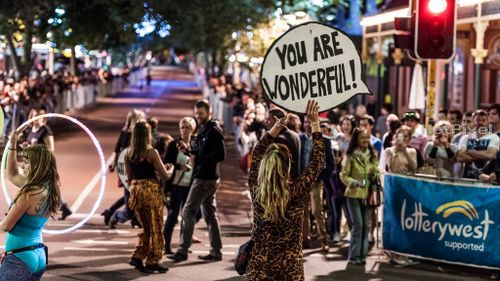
(479, 147)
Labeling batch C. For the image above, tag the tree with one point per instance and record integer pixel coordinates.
(93, 23)
(98, 24)
(205, 25)
(20, 21)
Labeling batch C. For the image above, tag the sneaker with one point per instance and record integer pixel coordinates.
(137, 263)
(135, 223)
(355, 262)
(155, 268)
(324, 247)
(494, 276)
(211, 257)
(178, 257)
(336, 237)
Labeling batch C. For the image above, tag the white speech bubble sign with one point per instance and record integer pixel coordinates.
(120, 168)
(312, 61)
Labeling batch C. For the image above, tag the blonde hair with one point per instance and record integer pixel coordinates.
(188, 121)
(446, 127)
(273, 194)
(133, 116)
(141, 140)
(43, 178)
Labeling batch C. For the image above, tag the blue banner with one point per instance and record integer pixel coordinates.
(449, 222)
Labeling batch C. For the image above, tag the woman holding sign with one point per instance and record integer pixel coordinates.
(39, 197)
(278, 203)
(359, 165)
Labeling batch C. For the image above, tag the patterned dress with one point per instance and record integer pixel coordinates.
(277, 252)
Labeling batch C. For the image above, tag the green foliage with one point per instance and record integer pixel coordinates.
(206, 25)
(93, 23)
(20, 21)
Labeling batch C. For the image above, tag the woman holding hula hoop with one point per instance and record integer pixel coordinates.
(38, 198)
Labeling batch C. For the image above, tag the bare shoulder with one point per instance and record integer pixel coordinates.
(152, 154)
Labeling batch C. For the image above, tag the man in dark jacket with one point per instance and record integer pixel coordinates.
(208, 151)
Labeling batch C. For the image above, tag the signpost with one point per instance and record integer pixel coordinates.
(120, 167)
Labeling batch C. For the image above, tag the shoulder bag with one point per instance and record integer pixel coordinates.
(245, 252)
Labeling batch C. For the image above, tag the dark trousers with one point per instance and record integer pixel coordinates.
(177, 200)
(339, 205)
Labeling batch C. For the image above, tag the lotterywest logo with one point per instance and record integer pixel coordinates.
(419, 221)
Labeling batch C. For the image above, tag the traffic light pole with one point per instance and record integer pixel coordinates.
(431, 92)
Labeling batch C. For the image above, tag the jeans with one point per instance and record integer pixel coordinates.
(339, 206)
(202, 193)
(361, 219)
(13, 268)
(127, 214)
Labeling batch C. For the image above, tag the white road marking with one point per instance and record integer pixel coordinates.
(207, 252)
(98, 249)
(99, 242)
(110, 231)
(90, 186)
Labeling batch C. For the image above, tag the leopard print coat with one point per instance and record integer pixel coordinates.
(277, 252)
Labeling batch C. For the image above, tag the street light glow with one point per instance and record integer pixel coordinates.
(437, 6)
(60, 11)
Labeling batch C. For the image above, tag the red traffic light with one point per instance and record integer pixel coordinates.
(435, 29)
(437, 6)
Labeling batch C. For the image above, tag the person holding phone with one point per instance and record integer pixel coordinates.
(180, 182)
(401, 158)
(359, 165)
(441, 152)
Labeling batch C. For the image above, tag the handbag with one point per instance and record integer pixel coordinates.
(375, 192)
(245, 253)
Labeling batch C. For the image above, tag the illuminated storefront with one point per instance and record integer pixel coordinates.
(471, 79)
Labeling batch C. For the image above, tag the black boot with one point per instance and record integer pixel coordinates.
(155, 268)
(65, 211)
(137, 263)
(135, 222)
(107, 216)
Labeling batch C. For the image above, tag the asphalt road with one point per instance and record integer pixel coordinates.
(95, 252)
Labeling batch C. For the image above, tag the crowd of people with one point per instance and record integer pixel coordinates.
(19, 96)
(308, 172)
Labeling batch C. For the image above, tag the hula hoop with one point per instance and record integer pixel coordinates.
(101, 159)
